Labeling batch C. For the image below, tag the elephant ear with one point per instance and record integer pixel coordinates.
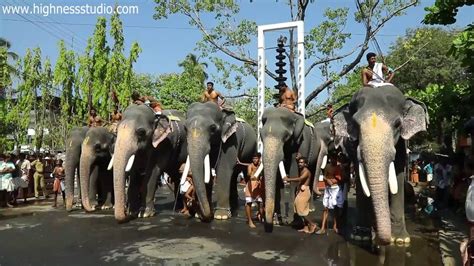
(343, 124)
(229, 126)
(298, 128)
(162, 129)
(415, 118)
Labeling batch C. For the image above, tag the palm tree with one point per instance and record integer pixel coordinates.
(195, 68)
(6, 70)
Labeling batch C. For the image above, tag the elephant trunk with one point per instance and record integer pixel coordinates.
(85, 166)
(71, 164)
(376, 154)
(272, 156)
(124, 149)
(198, 149)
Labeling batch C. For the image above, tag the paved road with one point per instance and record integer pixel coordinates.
(40, 235)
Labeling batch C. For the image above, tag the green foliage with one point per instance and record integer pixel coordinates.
(463, 48)
(429, 62)
(246, 108)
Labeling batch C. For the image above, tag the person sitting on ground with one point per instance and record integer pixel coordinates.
(253, 190)
(333, 198)
(58, 185)
(303, 195)
(94, 119)
(211, 95)
(374, 74)
(287, 98)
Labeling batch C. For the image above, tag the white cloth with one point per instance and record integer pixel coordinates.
(19, 182)
(333, 197)
(6, 178)
(377, 76)
(184, 187)
(470, 201)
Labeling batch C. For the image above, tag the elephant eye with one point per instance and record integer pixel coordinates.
(213, 128)
(397, 123)
(141, 132)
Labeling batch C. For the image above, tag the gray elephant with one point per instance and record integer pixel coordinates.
(216, 137)
(284, 134)
(147, 144)
(73, 157)
(95, 178)
(377, 122)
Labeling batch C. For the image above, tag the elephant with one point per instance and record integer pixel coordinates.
(95, 178)
(147, 145)
(217, 137)
(284, 134)
(377, 121)
(73, 157)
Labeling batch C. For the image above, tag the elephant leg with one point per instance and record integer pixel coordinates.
(93, 185)
(224, 171)
(134, 194)
(79, 196)
(397, 203)
(107, 190)
(149, 198)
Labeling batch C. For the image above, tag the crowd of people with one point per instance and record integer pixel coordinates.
(23, 175)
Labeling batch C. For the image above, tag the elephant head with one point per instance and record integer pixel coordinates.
(139, 131)
(96, 150)
(375, 119)
(204, 127)
(282, 134)
(73, 156)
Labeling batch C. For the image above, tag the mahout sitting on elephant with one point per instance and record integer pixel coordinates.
(377, 121)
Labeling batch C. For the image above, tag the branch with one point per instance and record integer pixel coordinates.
(228, 52)
(368, 36)
(323, 107)
(327, 60)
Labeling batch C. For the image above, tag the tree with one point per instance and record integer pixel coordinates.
(424, 56)
(6, 69)
(194, 68)
(234, 40)
(444, 12)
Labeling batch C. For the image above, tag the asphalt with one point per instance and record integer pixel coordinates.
(37, 234)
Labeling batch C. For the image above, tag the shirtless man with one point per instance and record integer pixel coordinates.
(212, 95)
(115, 118)
(253, 189)
(94, 120)
(373, 74)
(303, 195)
(287, 98)
(58, 185)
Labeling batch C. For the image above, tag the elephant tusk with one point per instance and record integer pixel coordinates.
(259, 170)
(207, 169)
(111, 163)
(363, 180)
(185, 172)
(281, 166)
(392, 179)
(130, 163)
(325, 160)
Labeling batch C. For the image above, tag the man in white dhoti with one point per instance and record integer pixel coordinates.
(374, 74)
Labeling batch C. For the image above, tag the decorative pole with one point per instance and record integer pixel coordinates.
(280, 64)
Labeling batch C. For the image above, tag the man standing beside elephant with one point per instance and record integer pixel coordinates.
(303, 195)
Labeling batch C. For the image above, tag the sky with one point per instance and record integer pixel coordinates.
(167, 42)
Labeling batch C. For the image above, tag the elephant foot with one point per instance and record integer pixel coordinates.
(148, 212)
(107, 207)
(400, 236)
(222, 214)
(361, 234)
